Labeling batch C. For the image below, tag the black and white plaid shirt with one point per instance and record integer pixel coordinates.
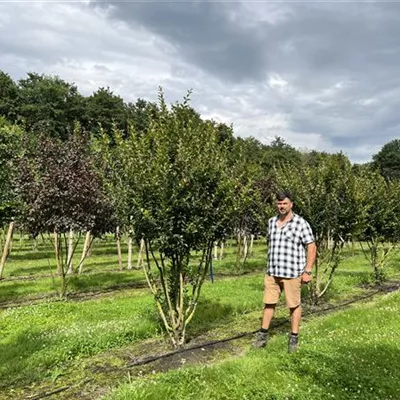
(287, 247)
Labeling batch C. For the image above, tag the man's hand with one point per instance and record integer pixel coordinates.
(306, 278)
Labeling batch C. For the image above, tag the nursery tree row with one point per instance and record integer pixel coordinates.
(177, 185)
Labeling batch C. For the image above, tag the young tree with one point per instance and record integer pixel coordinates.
(178, 191)
(250, 200)
(10, 147)
(327, 195)
(61, 192)
(381, 223)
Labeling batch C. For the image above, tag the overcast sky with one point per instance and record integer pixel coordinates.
(322, 75)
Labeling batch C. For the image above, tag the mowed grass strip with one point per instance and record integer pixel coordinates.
(353, 354)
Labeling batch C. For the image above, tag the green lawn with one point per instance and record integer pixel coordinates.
(55, 342)
(353, 354)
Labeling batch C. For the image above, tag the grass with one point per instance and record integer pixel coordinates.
(53, 334)
(37, 341)
(50, 342)
(30, 272)
(337, 360)
(43, 340)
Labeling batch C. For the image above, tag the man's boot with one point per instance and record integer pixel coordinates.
(261, 339)
(293, 343)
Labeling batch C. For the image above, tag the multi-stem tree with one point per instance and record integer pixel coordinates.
(327, 194)
(176, 184)
(10, 147)
(250, 200)
(61, 192)
(381, 222)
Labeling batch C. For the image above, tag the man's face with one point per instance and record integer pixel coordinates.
(284, 206)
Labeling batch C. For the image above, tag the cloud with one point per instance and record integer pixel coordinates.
(322, 75)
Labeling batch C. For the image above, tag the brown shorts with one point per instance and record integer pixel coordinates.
(273, 287)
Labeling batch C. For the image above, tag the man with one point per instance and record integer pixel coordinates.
(291, 255)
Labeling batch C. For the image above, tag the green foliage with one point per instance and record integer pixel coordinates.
(266, 156)
(176, 189)
(387, 160)
(105, 111)
(327, 194)
(176, 181)
(10, 149)
(249, 204)
(140, 113)
(8, 97)
(380, 225)
(49, 104)
(279, 153)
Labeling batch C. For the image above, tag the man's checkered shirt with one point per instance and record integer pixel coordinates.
(287, 247)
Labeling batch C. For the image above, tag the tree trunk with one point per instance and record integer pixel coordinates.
(245, 249)
(251, 244)
(70, 251)
(60, 265)
(314, 287)
(85, 251)
(57, 253)
(118, 239)
(215, 251)
(7, 248)
(238, 250)
(140, 255)
(129, 252)
(221, 253)
(174, 312)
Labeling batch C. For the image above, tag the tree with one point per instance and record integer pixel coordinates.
(49, 104)
(251, 200)
(10, 147)
(387, 160)
(327, 195)
(60, 192)
(140, 113)
(179, 195)
(8, 98)
(105, 111)
(381, 222)
(279, 152)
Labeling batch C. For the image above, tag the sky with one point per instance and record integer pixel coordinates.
(322, 75)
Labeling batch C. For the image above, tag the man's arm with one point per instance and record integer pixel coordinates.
(311, 256)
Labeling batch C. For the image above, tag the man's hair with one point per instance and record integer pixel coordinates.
(284, 195)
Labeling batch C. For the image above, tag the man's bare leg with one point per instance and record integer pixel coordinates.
(262, 335)
(295, 322)
(295, 314)
(269, 310)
